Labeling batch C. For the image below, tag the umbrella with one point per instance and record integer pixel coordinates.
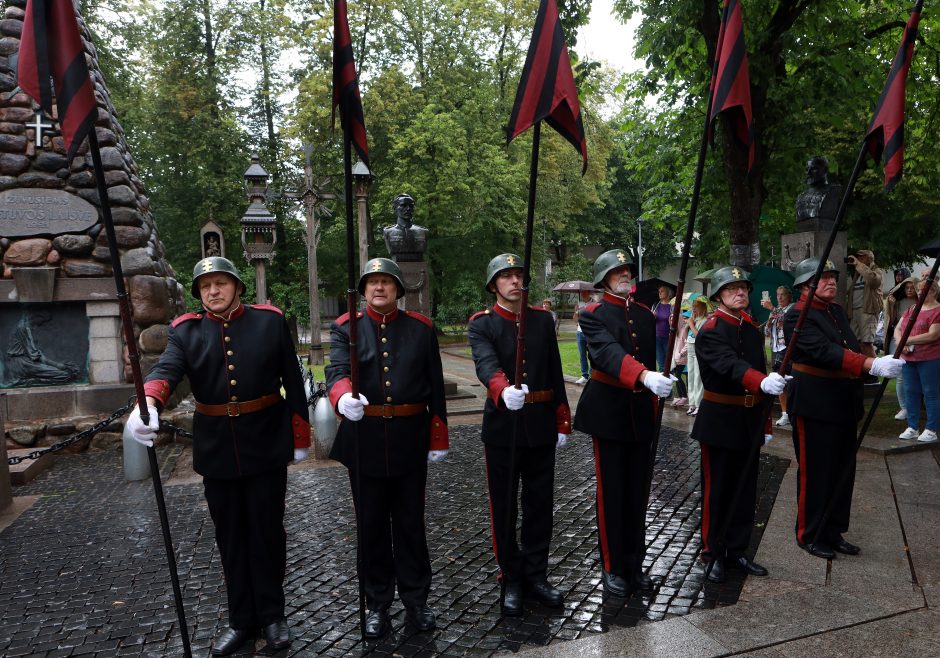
(574, 286)
(689, 297)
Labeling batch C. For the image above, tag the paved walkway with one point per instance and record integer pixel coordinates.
(82, 570)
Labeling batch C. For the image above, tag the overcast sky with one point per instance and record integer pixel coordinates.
(605, 38)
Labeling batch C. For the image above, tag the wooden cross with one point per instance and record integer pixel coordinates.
(38, 125)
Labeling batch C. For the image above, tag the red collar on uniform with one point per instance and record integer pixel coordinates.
(237, 313)
(616, 300)
(380, 317)
(817, 303)
(504, 312)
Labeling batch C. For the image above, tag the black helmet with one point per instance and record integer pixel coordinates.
(806, 268)
(382, 266)
(500, 263)
(611, 260)
(213, 265)
(728, 275)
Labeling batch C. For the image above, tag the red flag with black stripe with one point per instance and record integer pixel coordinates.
(52, 63)
(346, 84)
(731, 85)
(885, 136)
(546, 89)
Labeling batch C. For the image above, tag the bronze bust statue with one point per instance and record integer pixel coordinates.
(406, 242)
(817, 205)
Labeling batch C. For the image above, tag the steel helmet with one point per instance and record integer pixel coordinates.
(611, 260)
(500, 263)
(806, 268)
(382, 266)
(213, 265)
(728, 275)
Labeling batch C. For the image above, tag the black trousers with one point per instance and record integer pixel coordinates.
(721, 469)
(248, 513)
(525, 559)
(621, 468)
(823, 451)
(391, 513)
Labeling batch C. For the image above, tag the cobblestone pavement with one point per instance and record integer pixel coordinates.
(83, 571)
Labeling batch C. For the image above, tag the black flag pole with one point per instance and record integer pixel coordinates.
(134, 357)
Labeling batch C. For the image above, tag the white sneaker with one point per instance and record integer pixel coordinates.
(928, 436)
(582, 381)
(784, 420)
(910, 434)
(901, 415)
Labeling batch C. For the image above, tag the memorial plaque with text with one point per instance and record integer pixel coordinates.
(43, 212)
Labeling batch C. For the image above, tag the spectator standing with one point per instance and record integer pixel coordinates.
(922, 366)
(692, 325)
(900, 298)
(680, 354)
(778, 344)
(582, 342)
(547, 305)
(663, 312)
(863, 302)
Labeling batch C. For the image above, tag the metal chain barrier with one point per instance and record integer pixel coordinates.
(94, 429)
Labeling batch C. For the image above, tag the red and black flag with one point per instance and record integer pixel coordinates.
(885, 136)
(52, 63)
(546, 89)
(346, 84)
(731, 85)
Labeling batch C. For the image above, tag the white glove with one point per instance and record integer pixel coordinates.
(300, 454)
(352, 408)
(562, 440)
(515, 397)
(658, 383)
(767, 438)
(435, 456)
(144, 434)
(773, 384)
(886, 366)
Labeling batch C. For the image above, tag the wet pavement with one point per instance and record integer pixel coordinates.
(83, 571)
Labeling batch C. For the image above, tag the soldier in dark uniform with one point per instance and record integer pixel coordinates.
(730, 352)
(618, 409)
(237, 358)
(825, 404)
(400, 423)
(533, 419)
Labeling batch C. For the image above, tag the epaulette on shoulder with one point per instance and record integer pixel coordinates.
(268, 307)
(343, 319)
(478, 314)
(185, 318)
(710, 323)
(750, 320)
(420, 316)
(590, 308)
(538, 308)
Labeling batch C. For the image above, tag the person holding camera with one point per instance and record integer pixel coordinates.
(863, 298)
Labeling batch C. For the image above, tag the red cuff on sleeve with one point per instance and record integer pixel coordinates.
(752, 379)
(853, 362)
(338, 389)
(159, 389)
(563, 418)
(439, 440)
(301, 429)
(630, 370)
(497, 383)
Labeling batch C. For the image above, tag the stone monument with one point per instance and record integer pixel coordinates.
(406, 243)
(816, 209)
(59, 318)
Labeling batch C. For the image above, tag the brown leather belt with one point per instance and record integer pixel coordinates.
(738, 400)
(819, 372)
(540, 396)
(604, 378)
(394, 410)
(238, 408)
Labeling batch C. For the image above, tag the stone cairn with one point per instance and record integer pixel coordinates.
(155, 295)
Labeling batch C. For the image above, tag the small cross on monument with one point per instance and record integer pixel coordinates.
(38, 125)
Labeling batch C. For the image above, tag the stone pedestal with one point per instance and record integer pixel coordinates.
(417, 288)
(6, 490)
(794, 247)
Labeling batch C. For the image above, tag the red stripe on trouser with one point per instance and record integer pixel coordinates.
(486, 469)
(801, 486)
(706, 497)
(601, 519)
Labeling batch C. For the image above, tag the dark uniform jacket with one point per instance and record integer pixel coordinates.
(826, 342)
(731, 360)
(621, 341)
(492, 336)
(246, 357)
(399, 363)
